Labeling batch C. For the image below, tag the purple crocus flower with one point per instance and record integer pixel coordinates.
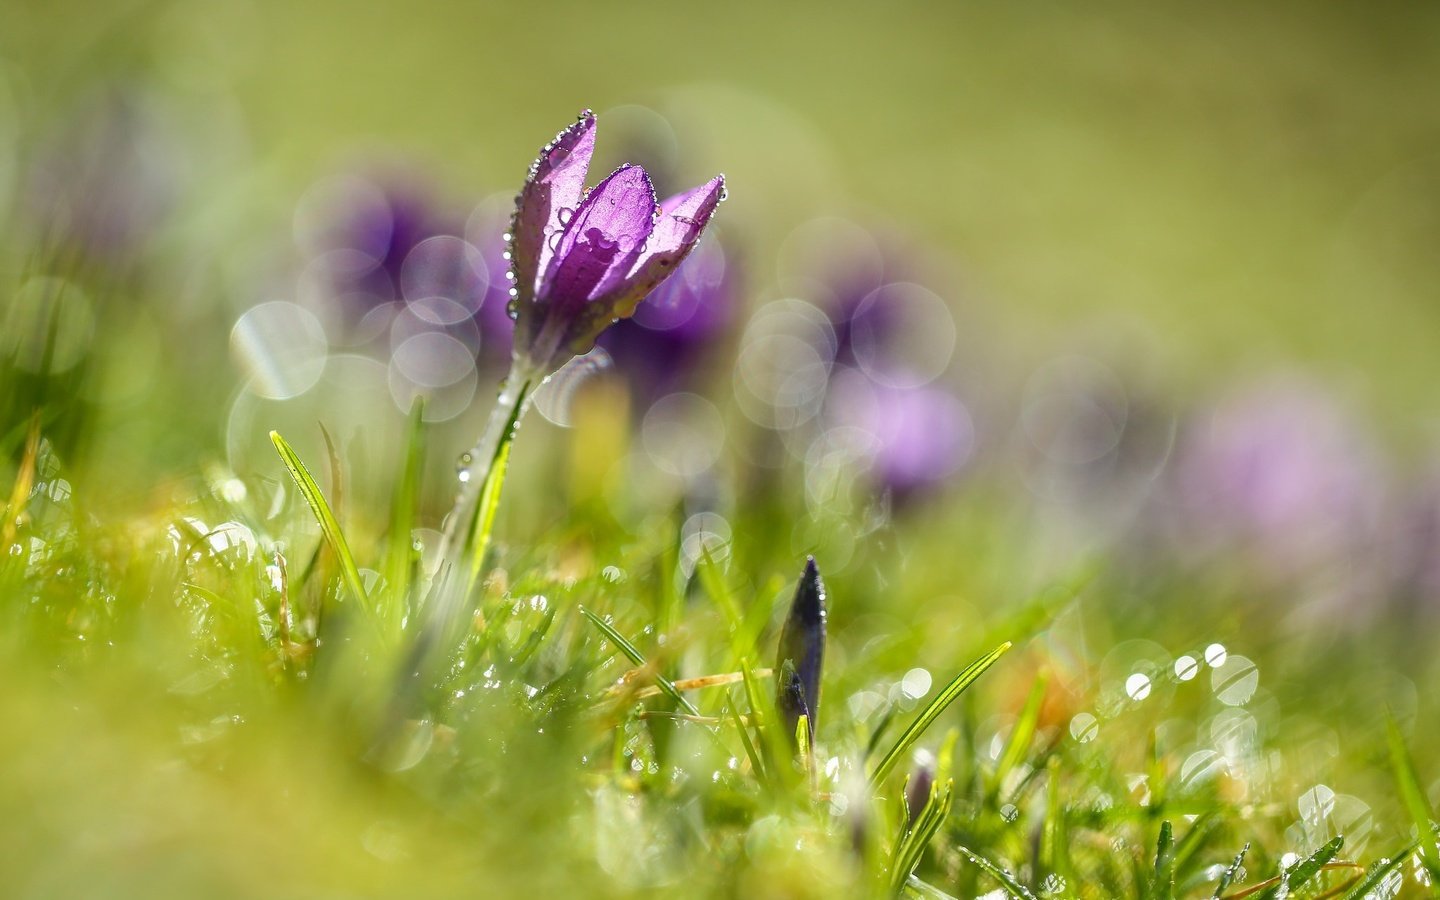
(581, 260)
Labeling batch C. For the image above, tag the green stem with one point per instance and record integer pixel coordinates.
(467, 529)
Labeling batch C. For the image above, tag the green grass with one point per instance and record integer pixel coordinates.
(235, 676)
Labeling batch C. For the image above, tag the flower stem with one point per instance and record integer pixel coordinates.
(462, 546)
(467, 529)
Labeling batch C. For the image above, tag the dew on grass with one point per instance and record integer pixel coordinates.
(1234, 682)
(555, 399)
(613, 575)
(1186, 668)
(1137, 686)
(1201, 767)
(915, 684)
(1316, 804)
(1215, 655)
(1084, 727)
(1420, 870)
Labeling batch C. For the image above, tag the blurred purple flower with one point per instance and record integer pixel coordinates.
(368, 238)
(663, 348)
(914, 438)
(107, 179)
(917, 788)
(581, 260)
(1415, 558)
(1280, 472)
(384, 248)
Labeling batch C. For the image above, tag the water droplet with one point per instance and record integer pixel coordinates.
(1186, 668)
(554, 241)
(462, 466)
(1234, 683)
(1138, 686)
(564, 215)
(1009, 812)
(1215, 655)
(1084, 727)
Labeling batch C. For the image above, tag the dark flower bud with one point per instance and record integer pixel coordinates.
(802, 653)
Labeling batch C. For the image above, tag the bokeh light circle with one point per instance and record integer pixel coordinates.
(281, 347)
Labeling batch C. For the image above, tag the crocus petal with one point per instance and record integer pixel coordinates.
(682, 219)
(684, 216)
(603, 239)
(552, 193)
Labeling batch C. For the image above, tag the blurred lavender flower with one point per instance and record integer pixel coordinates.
(1415, 537)
(664, 347)
(364, 234)
(580, 260)
(383, 248)
(107, 179)
(910, 439)
(801, 657)
(1279, 472)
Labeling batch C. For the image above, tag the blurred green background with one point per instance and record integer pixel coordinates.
(1246, 183)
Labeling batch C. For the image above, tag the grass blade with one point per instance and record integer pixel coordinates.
(638, 658)
(932, 712)
(1416, 804)
(1379, 872)
(1007, 881)
(926, 889)
(1164, 885)
(404, 506)
(1299, 874)
(1024, 730)
(1231, 872)
(323, 514)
